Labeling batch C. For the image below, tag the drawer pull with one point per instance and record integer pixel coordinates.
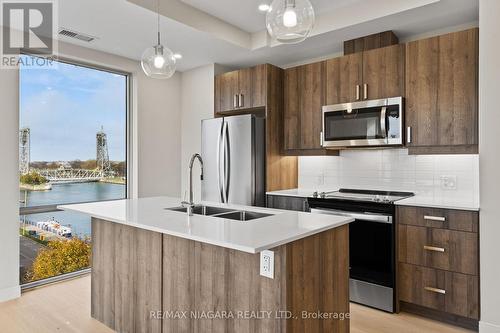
(435, 218)
(436, 290)
(433, 248)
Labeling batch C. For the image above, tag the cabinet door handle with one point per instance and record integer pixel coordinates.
(408, 134)
(235, 101)
(321, 139)
(436, 290)
(242, 102)
(433, 248)
(365, 91)
(357, 92)
(435, 218)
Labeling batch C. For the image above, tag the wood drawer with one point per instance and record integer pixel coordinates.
(439, 218)
(449, 250)
(440, 290)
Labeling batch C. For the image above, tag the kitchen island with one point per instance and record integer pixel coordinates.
(156, 269)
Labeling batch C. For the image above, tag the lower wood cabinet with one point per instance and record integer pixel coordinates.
(438, 263)
(288, 203)
(446, 291)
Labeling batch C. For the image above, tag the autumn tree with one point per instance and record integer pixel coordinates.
(60, 257)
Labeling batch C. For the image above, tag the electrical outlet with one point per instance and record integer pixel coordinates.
(267, 264)
(448, 182)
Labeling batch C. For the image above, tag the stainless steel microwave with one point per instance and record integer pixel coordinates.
(363, 124)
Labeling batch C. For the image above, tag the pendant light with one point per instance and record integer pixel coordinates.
(290, 21)
(158, 61)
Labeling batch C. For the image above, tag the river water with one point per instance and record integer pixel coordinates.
(71, 193)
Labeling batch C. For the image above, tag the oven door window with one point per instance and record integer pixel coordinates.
(358, 124)
(371, 252)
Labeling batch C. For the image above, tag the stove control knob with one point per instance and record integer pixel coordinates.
(376, 198)
(322, 195)
(315, 194)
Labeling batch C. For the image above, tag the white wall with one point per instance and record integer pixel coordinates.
(156, 142)
(394, 169)
(197, 104)
(489, 159)
(9, 194)
(197, 90)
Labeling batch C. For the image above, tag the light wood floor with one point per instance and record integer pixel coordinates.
(65, 307)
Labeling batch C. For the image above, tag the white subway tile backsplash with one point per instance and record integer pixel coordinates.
(392, 169)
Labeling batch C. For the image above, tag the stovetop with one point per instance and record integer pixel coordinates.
(364, 195)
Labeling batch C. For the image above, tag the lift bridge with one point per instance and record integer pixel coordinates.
(66, 174)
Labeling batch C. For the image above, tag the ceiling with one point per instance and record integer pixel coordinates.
(246, 16)
(218, 31)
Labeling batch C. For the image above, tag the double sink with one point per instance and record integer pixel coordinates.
(223, 213)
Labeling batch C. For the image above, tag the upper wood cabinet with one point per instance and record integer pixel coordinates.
(383, 72)
(373, 74)
(343, 79)
(241, 89)
(304, 98)
(442, 93)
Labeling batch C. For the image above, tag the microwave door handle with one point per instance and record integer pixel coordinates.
(383, 121)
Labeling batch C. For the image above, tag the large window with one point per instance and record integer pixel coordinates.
(72, 148)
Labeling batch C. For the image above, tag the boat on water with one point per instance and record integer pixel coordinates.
(55, 227)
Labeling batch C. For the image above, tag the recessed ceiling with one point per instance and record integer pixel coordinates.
(246, 16)
(127, 29)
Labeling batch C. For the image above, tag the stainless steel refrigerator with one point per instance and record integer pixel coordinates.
(233, 152)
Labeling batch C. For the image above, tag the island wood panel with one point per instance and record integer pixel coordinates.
(310, 275)
(383, 72)
(281, 170)
(442, 93)
(126, 276)
(460, 249)
(318, 280)
(343, 74)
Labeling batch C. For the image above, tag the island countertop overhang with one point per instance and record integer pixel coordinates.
(251, 236)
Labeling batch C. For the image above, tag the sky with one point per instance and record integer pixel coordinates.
(65, 107)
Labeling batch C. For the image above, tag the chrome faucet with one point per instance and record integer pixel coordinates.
(190, 203)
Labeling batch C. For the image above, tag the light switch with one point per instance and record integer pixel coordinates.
(267, 264)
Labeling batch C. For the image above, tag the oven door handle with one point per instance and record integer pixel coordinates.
(358, 216)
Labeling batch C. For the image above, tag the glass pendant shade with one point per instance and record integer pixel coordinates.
(158, 62)
(290, 21)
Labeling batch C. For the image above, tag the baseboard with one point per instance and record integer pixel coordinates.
(485, 327)
(468, 323)
(10, 293)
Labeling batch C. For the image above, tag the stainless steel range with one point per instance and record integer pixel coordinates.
(371, 241)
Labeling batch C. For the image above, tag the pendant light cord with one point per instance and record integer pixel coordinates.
(158, 20)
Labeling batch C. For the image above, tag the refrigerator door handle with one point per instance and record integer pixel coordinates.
(219, 156)
(227, 160)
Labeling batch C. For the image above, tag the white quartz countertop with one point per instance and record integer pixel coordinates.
(439, 202)
(251, 236)
(417, 200)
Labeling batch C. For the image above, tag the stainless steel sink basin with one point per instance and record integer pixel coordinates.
(225, 213)
(203, 210)
(243, 215)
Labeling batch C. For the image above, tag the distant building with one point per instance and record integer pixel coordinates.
(24, 151)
